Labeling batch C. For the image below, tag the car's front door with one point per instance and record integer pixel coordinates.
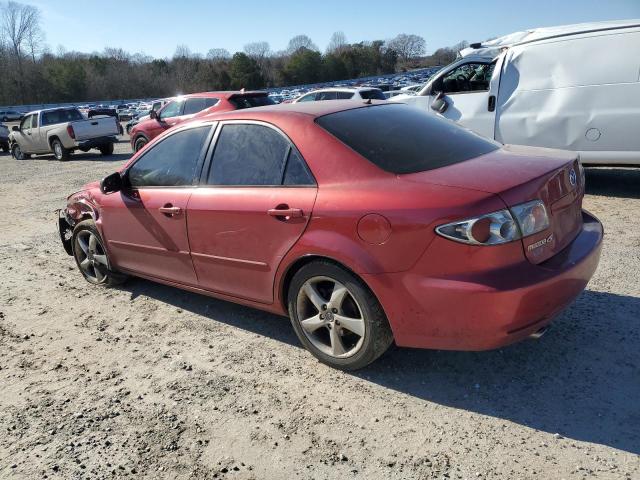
(145, 224)
(254, 202)
(25, 135)
(168, 117)
(470, 101)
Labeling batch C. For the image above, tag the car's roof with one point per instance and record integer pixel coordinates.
(491, 47)
(344, 89)
(225, 94)
(307, 109)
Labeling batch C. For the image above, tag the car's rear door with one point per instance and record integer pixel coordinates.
(254, 202)
(145, 225)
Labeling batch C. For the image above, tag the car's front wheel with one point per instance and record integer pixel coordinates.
(107, 149)
(336, 317)
(17, 153)
(91, 256)
(140, 143)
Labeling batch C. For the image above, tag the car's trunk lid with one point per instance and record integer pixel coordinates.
(521, 174)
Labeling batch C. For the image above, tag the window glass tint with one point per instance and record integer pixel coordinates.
(60, 116)
(248, 155)
(34, 121)
(296, 172)
(403, 139)
(172, 162)
(372, 94)
(248, 101)
(344, 95)
(171, 110)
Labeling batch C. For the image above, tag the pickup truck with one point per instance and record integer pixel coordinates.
(61, 131)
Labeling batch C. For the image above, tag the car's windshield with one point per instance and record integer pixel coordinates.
(251, 101)
(402, 139)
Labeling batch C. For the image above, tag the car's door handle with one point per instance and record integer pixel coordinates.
(169, 210)
(285, 213)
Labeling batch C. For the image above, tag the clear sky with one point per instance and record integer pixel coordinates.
(157, 27)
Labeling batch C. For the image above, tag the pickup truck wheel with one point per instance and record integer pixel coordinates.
(106, 149)
(140, 142)
(91, 256)
(17, 152)
(59, 151)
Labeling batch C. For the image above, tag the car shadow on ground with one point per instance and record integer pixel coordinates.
(613, 182)
(580, 381)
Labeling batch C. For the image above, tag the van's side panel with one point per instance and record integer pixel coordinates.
(578, 93)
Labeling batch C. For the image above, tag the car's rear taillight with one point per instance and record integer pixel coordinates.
(499, 227)
(70, 131)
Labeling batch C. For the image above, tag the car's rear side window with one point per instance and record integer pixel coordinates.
(374, 94)
(249, 101)
(402, 139)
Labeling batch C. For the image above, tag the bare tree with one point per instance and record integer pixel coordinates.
(217, 54)
(408, 47)
(257, 50)
(19, 23)
(338, 42)
(300, 41)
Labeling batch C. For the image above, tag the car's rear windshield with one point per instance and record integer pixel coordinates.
(248, 101)
(372, 94)
(61, 116)
(403, 139)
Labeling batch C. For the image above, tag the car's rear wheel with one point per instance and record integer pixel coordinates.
(140, 142)
(91, 256)
(107, 149)
(59, 151)
(336, 317)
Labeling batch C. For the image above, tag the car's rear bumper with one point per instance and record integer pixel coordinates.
(95, 142)
(490, 309)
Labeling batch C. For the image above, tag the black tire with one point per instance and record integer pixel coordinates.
(106, 149)
(59, 151)
(5, 119)
(140, 142)
(99, 272)
(129, 127)
(17, 153)
(377, 335)
(5, 147)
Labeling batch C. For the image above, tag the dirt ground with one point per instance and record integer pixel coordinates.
(149, 381)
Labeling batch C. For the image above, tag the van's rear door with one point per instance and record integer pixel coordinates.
(95, 127)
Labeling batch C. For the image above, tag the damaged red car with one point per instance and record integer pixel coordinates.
(366, 223)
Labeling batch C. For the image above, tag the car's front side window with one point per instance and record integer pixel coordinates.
(308, 98)
(170, 163)
(470, 77)
(26, 123)
(171, 110)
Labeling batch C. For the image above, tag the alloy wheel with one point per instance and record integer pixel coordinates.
(330, 317)
(91, 257)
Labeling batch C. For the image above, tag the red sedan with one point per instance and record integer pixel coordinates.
(366, 223)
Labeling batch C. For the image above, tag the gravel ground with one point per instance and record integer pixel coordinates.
(150, 381)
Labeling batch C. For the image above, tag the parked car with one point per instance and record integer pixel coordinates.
(343, 93)
(535, 88)
(183, 108)
(61, 131)
(424, 233)
(4, 138)
(10, 115)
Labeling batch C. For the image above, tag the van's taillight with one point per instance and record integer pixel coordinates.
(70, 131)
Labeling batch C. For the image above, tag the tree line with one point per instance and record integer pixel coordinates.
(30, 73)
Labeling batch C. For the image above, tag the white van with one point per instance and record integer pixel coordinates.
(574, 87)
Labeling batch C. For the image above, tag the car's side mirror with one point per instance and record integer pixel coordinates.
(153, 114)
(15, 128)
(439, 103)
(111, 183)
